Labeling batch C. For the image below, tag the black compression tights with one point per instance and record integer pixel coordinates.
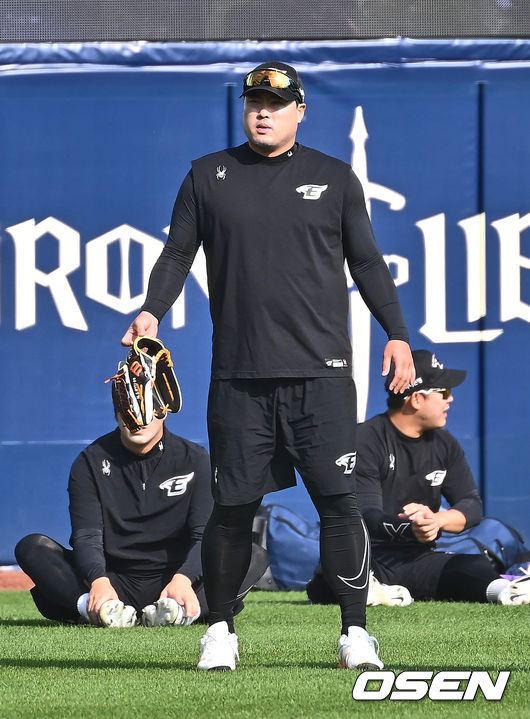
(344, 548)
(50, 566)
(226, 552)
(345, 555)
(465, 578)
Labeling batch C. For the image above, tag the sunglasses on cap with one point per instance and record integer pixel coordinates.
(271, 77)
(445, 392)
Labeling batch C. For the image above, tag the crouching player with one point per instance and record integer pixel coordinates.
(139, 502)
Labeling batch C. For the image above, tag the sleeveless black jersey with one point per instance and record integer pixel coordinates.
(139, 513)
(393, 469)
(276, 232)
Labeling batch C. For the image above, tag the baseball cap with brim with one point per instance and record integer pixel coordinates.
(430, 373)
(276, 77)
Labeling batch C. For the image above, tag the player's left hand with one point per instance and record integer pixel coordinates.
(424, 522)
(413, 508)
(180, 589)
(399, 353)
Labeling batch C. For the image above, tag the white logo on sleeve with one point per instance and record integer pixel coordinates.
(177, 485)
(347, 461)
(311, 192)
(436, 478)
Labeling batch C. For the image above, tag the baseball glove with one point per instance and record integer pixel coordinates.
(145, 385)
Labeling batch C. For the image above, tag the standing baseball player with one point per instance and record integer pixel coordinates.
(277, 220)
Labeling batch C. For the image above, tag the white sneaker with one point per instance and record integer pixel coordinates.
(218, 649)
(114, 613)
(163, 613)
(517, 591)
(358, 650)
(389, 595)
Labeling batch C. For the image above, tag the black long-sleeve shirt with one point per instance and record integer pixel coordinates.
(276, 232)
(139, 513)
(393, 469)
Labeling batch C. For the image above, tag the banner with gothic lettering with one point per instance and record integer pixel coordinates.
(92, 158)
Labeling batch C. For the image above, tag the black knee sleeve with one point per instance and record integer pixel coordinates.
(27, 550)
(50, 567)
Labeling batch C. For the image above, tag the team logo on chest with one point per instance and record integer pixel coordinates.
(176, 485)
(311, 192)
(347, 461)
(436, 478)
(220, 172)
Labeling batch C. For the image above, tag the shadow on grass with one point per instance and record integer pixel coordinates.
(28, 623)
(184, 665)
(106, 664)
(290, 602)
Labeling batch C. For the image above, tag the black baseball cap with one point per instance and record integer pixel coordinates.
(276, 77)
(430, 373)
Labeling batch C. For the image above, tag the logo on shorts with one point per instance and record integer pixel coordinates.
(177, 485)
(311, 192)
(436, 478)
(347, 461)
(105, 467)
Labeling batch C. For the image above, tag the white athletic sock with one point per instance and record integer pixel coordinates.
(494, 589)
(81, 606)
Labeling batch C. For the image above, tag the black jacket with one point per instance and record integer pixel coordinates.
(393, 470)
(139, 513)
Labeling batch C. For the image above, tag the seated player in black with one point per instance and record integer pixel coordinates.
(406, 463)
(138, 506)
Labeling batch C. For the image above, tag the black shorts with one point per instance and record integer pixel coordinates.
(260, 430)
(141, 588)
(418, 569)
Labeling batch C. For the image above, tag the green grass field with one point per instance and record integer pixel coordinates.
(288, 663)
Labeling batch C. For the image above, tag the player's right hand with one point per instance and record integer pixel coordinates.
(144, 324)
(101, 591)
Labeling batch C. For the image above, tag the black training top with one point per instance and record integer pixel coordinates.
(393, 470)
(276, 232)
(139, 513)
